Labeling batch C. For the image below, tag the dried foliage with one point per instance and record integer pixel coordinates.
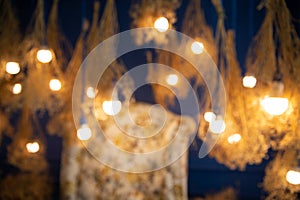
(193, 17)
(274, 182)
(145, 12)
(252, 147)
(9, 32)
(26, 186)
(278, 37)
(17, 153)
(259, 131)
(225, 194)
(275, 48)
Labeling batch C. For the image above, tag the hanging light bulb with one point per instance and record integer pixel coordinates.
(293, 177)
(111, 107)
(233, 139)
(55, 84)
(217, 126)
(161, 24)
(209, 116)
(17, 88)
(172, 79)
(32, 147)
(249, 81)
(44, 55)
(197, 47)
(12, 68)
(84, 132)
(275, 104)
(91, 92)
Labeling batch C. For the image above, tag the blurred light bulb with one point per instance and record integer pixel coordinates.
(217, 126)
(17, 88)
(209, 116)
(84, 132)
(249, 81)
(172, 79)
(55, 84)
(12, 67)
(91, 92)
(235, 138)
(293, 177)
(275, 105)
(197, 47)
(32, 147)
(161, 24)
(111, 107)
(44, 55)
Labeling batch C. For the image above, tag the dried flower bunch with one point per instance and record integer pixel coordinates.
(144, 14)
(277, 170)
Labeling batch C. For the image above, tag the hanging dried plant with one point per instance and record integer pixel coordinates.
(235, 153)
(277, 170)
(9, 32)
(194, 16)
(145, 12)
(36, 93)
(17, 153)
(277, 37)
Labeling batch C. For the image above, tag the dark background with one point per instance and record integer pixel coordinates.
(205, 175)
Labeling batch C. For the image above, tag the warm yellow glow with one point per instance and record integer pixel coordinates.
(84, 132)
(293, 177)
(172, 79)
(197, 47)
(161, 24)
(217, 126)
(44, 55)
(32, 147)
(17, 88)
(275, 105)
(235, 138)
(249, 81)
(91, 92)
(12, 67)
(209, 116)
(111, 107)
(55, 84)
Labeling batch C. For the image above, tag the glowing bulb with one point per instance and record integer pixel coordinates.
(293, 177)
(55, 84)
(233, 139)
(84, 132)
(249, 81)
(275, 105)
(44, 55)
(32, 147)
(91, 92)
(217, 126)
(161, 24)
(111, 107)
(172, 79)
(197, 47)
(12, 67)
(17, 88)
(209, 116)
